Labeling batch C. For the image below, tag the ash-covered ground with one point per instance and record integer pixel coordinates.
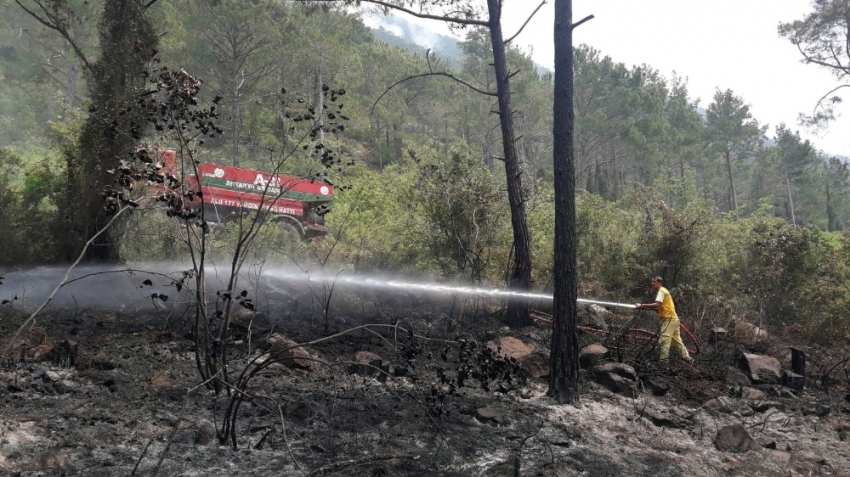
(111, 388)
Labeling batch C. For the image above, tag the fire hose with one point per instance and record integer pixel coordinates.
(635, 333)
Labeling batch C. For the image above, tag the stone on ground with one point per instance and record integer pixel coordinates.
(591, 355)
(761, 369)
(534, 360)
(617, 377)
(291, 355)
(736, 439)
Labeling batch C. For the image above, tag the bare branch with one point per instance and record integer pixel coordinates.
(526, 22)
(820, 101)
(55, 25)
(449, 19)
(585, 19)
(433, 73)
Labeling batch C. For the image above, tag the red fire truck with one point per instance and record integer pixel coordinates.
(229, 191)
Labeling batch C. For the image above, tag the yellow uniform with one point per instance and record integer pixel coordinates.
(669, 326)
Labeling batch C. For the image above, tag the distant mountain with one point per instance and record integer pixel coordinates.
(398, 31)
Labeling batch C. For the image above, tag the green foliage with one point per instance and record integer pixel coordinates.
(655, 175)
(30, 231)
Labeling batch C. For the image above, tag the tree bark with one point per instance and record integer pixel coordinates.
(563, 358)
(832, 223)
(733, 196)
(521, 269)
(127, 40)
(791, 201)
(236, 119)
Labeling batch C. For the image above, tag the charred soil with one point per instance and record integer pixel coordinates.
(106, 394)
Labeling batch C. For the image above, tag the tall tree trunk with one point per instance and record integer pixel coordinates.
(733, 196)
(791, 201)
(236, 119)
(832, 220)
(127, 39)
(563, 358)
(521, 269)
(320, 107)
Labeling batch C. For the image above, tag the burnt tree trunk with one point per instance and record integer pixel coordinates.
(521, 268)
(563, 360)
(111, 131)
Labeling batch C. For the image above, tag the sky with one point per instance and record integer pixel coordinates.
(726, 44)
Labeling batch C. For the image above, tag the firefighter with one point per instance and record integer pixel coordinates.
(669, 335)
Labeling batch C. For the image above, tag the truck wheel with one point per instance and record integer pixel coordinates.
(289, 229)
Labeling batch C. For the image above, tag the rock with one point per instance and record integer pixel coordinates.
(617, 384)
(294, 358)
(591, 355)
(369, 364)
(767, 443)
(159, 380)
(734, 438)
(721, 404)
(793, 380)
(617, 377)
(676, 418)
(593, 315)
(534, 361)
(508, 346)
(366, 357)
(732, 465)
(752, 394)
(817, 409)
(780, 457)
(489, 414)
(251, 321)
(43, 352)
(717, 334)
(810, 463)
(53, 459)
(622, 369)
(102, 361)
(745, 392)
(536, 364)
(748, 333)
(655, 386)
(737, 377)
(761, 369)
(52, 376)
(204, 433)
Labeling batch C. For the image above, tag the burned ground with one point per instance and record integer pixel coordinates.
(132, 399)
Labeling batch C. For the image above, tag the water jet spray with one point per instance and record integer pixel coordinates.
(427, 287)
